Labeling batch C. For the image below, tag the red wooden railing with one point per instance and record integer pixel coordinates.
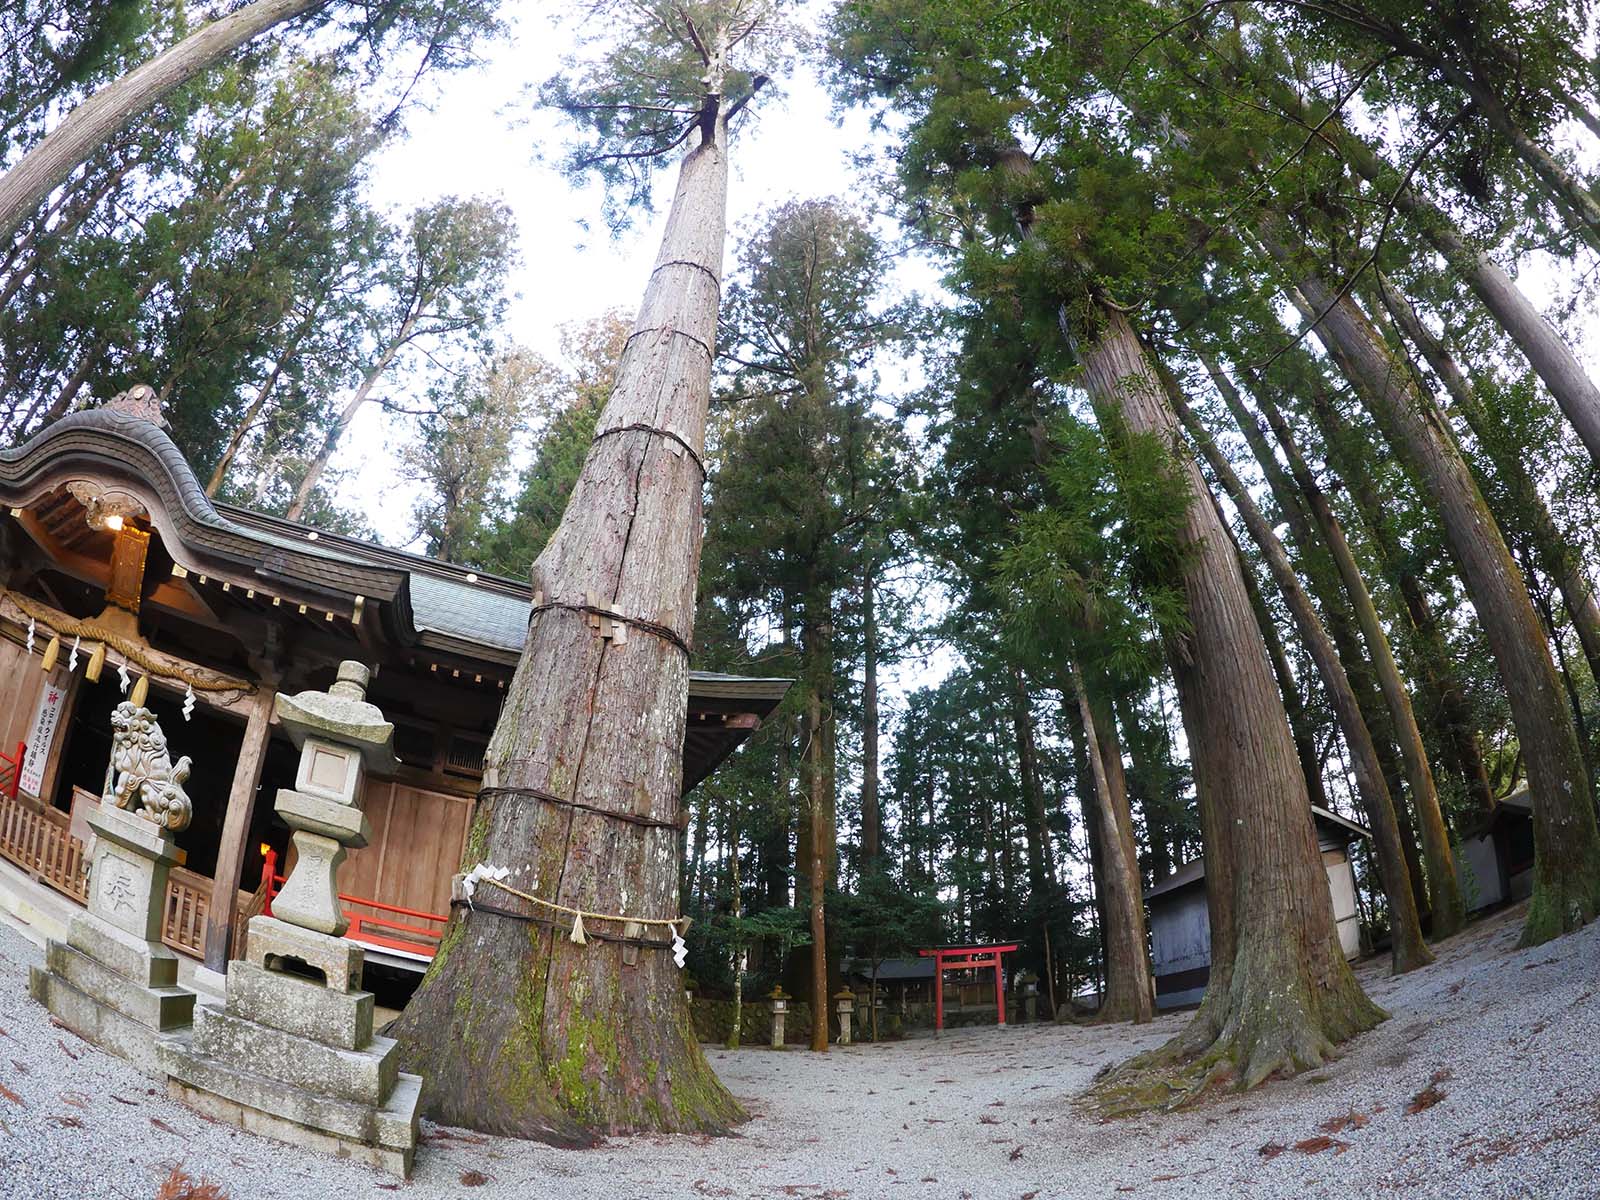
(11, 771)
(383, 932)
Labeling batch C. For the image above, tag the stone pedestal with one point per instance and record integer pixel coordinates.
(112, 981)
(291, 1053)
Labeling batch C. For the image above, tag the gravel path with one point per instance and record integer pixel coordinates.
(1509, 1041)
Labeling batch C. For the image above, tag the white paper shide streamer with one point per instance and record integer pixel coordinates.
(188, 701)
(122, 678)
(30, 635)
(72, 659)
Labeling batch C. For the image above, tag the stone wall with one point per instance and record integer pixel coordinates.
(713, 1019)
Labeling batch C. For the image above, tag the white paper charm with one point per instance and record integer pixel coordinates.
(122, 678)
(72, 659)
(30, 635)
(680, 949)
(188, 700)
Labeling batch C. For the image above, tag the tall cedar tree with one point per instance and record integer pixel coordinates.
(518, 1028)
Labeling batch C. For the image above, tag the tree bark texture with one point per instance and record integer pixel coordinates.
(1566, 891)
(1558, 558)
(871, 820)
(517, 1029)
(88, 126)
(1130, 990)
(1408, 951)
(1547, 351)
(1444, 889)
(1281, 994)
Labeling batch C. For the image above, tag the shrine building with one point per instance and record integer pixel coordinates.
(118, 575)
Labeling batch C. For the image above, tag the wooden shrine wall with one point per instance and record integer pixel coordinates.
(417, 840)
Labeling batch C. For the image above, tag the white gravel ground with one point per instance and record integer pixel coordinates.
(1513, 1038)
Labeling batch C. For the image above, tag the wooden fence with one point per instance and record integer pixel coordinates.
(40, 841)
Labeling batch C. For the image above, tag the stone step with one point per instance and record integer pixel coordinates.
(362, 1076)
(100, 1024)
(384, 1136)
(157, 1008)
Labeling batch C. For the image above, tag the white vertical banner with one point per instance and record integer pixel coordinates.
(41, 735)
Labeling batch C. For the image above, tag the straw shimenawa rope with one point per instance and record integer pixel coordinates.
(484, 873)
(161, 667)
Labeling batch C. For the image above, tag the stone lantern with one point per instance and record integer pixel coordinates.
(845, 1003)
(293, 1054)
(1030, 996)
(780, 1006)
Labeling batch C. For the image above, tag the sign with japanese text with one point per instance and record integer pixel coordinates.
(41, 735)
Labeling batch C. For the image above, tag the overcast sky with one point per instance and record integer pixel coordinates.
(483, 135)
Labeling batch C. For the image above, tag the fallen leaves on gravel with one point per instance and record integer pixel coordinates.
(1015, 1154)
(11, 1096)
(164, 1127)
(1316, 1145)
(1271, 1150)
(1350, 1120)
(473, 1179)
(1430, 1095)
(179, 1186)
(66, 1051)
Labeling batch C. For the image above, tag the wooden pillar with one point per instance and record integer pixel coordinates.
(938, 993)
(236, 829)
(999, 991)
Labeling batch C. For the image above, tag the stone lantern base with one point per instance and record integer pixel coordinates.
(112, 982)
(291, 1054)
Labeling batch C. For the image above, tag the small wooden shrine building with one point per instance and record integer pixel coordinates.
(1180, 924)
(109, 544)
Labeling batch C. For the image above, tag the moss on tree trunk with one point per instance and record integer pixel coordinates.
(517, 1029)
(1281, 994)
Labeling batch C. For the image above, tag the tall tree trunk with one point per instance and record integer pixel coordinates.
(1281, 994)
(871, 820)
(816, 860)
(1408, 951)
(1130, 992)
(1444, 889)
(253, 412)
(1566, 890)
(518, 1029)
(1546, 350)
(1558, 558)
(91, 124)
(1448, 697)
(1305, 742)
(1041, 863)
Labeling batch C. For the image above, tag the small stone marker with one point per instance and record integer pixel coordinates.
(292, 1054)
(112, 981)
(780, 1006)
(845, 1002)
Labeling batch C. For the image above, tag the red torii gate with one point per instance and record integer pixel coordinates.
(955, 958)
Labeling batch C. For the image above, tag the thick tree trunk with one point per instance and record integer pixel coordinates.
(1281, 994)
(87, 127)
(871, 819)
(1558, 558)
(1305, 742)
(1408, 951)
(1566, 892)
(518, 1029)
(1444, 889)
(1130, 992)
